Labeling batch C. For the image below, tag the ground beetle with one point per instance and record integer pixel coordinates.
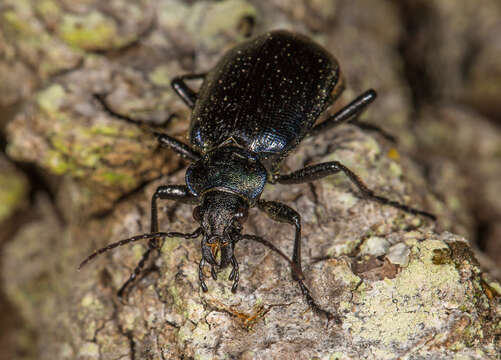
(261, 99)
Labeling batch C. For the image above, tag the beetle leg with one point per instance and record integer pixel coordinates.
(183, 90)
(101, 99)
(181, 148)
(165, 192)
(299, 278)
(319, 171)
(353, 109)
(203, 285)
(283, 213)
(234, 275)
(169, 192)
(201, 276)
(350, 113)
(213, 272)
(371, 127)
(152, 245)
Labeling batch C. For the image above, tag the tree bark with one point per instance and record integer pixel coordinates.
(402, 285)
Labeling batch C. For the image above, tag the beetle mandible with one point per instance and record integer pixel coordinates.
(255, 106)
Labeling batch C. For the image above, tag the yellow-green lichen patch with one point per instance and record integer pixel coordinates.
(92, 312)
(419, 298)
(130, 318)
(110, 178)
(34, 44)
(48, 9)
(11, 19)
(89, 350)
(105, 153)
(395, 169)
(16, 18)
(13, 191)
(50, 99)
(57, 163)
(111, 130)
(338, 356)
(173, 254)
(160, 76)
(91, 31)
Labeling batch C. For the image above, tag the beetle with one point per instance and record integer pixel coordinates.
(253, 108)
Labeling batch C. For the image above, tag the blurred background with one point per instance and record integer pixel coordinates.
(436, 65)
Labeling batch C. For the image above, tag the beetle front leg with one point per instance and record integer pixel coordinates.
(165, 192)
(183, 90)
(283, 213)
(304, 289)
(315, 172)
(234, 275)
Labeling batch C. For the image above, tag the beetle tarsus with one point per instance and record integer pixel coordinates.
(213, 272)
(201, 277)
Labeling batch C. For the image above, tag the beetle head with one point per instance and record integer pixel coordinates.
(221, 215)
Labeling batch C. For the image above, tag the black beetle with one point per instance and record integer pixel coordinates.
(261, 99)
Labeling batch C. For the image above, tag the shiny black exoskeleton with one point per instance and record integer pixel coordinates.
(254, 107)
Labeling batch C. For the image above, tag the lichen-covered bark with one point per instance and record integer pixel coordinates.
(13, 189)
(403, 286)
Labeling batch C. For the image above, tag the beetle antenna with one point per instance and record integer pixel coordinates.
(147, 236)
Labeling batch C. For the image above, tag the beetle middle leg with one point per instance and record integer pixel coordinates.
(179, 147)
(350, 113)
(165, 192)
(315, 172)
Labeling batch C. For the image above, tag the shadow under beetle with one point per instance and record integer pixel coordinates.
(261, 99)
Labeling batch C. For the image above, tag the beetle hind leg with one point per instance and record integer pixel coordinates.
(315, 172)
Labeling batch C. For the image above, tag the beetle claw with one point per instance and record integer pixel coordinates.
(203, 285)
